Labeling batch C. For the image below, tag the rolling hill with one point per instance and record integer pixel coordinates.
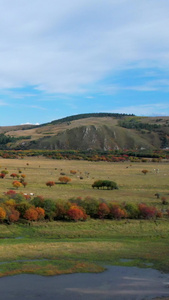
(100, 131)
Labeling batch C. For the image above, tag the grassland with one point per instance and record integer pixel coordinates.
(50, 248)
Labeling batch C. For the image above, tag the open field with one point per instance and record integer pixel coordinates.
(66, 247)
(133, 184)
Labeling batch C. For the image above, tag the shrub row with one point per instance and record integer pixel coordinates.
(15, 206)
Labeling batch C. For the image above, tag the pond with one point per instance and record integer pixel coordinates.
(127, 283)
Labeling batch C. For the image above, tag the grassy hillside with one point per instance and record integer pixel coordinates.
(92, 131)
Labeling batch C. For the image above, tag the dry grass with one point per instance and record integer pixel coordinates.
(133, 185)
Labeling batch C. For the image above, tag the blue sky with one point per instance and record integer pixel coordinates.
(60, 58)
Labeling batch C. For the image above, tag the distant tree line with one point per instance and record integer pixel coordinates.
(134, 124)
(84, 116)
(5, 139)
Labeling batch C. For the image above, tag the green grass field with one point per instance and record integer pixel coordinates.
(50, 248)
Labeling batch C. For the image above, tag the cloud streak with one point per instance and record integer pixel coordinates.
(64, 47)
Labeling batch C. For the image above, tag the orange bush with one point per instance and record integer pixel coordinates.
(17, 184)
(31, 214)
(73, 172)
(2, 214)
(50, 183)
(64, 179)
(75, 213)
(41, 212)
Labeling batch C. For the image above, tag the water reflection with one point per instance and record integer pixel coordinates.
(127, 283)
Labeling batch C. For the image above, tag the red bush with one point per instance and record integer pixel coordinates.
(75, 213)
(103, 210)
(117, 212)
(50, 183)
(13, 175)
(10, 193)
(14, 215)
(147, 212)
(2, 175)
(24, 183)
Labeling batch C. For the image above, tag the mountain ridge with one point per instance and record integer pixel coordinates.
(93, 131)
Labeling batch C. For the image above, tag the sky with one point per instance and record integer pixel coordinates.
(62, 58)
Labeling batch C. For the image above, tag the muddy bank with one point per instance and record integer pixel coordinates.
(127, 283)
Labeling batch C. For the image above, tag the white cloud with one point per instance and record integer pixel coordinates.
(28, 123)
(64, 46)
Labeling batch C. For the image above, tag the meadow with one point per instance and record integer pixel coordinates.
(57, 247)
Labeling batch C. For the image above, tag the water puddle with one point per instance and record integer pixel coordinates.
(117, 283)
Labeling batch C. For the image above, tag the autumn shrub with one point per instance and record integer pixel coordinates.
(73, 172)
(10, 203)
(41, 213)
(144, 171)
(16, 184)
(116, 212)
(24, 183)
(11, 193)
(2, 175)
(148, 212)
(31, 214)
(2, 214)
(13, 175)
(23, 176)
(50, 183)
(13, 215)
(75, 213)
(103, 210)
(64, 179)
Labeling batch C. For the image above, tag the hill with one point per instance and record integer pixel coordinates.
(100, 131)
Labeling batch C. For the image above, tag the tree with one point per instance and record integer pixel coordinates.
(73, 172)
(2, 175)
(110, 185)
(103, 210)
(41, 213)
(13, 175)
(24, 183)
(2, 214)
(31, 214)
(50, 183)
(14, 215)
(17, 184)
(144, 171)
(64, 179)
(75, 213)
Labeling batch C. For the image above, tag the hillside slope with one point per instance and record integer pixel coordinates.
(93, 131)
